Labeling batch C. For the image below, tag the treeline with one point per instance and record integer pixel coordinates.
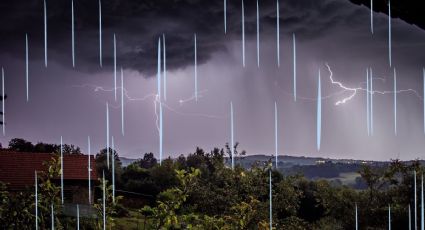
(200, 191)
(22, 145)
(215, 195)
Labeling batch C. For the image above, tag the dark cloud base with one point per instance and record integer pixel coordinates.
(139, 24)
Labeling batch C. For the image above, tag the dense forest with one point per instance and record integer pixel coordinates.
(200, 191)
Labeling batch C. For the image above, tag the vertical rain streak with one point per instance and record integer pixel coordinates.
(225, 16)
(422, 203)
(389, 217)
(36, 200)
(319, 113)
(258, 36)
(113, 170)
(389, 33)
(196, 70)
(115, 68)
(26, 66)
(243, 34)
(52, 217)
(395, 102)
(367, 103)
(423, 96)
(294, 49)
(371, 16)
(78, 217)
(357, 220)
(158, 74)
(164, 66)
(277, 33)
(122, 102)
(415, 221)
(45, 33)
(159, 100)
(270, 200)
(371, 101)
(73, 33)
(89, 167)
(107, 134)
(61, 152)
(3, 102)
(104, 200)
(232, 135)
(100, 33)
(160, 133)
(275, 134)
(410, 218)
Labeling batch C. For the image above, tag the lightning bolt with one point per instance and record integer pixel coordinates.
(199, 94)
(155, 101)
(97, 88)
(344, 88)
(354, 91)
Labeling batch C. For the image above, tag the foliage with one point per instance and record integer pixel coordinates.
(22, 145)
(201, 191)
(112, 205)
(102, 164)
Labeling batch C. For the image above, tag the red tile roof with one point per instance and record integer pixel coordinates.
(17, 168)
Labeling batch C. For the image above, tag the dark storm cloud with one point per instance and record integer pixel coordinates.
(138, 24)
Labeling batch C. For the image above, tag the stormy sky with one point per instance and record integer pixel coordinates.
(70, 102)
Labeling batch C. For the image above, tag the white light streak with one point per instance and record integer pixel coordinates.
(158, 75)
(89, 167)
(113, 170)
(62, 169)
(367, 102)
(104, 201)
(107, 134)
(45, 34)
(319, 113)
(225, 16)
(270, 200)
(3, 102)
(73, 33)
(389, 32)
(196, 70)
(243, 34)
(275, 134)
(115, 68)
(422, 203)
(357, 220)
(258, 36)
(100, 33)
(395, 102)
(371, 16)
(371, 101)
(415, 201)
(160, 133)
(277, 33)
(232, 135)
(164, 63)
(389, 217)
(78, 217)
(36, 201)
(26, 65)
(295, 65)
(122, 102)
(52, 215)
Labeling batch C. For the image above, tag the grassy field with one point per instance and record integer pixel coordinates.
(134, 221)
(346, 178)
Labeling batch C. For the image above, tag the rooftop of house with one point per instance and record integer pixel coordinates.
(17, 169)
